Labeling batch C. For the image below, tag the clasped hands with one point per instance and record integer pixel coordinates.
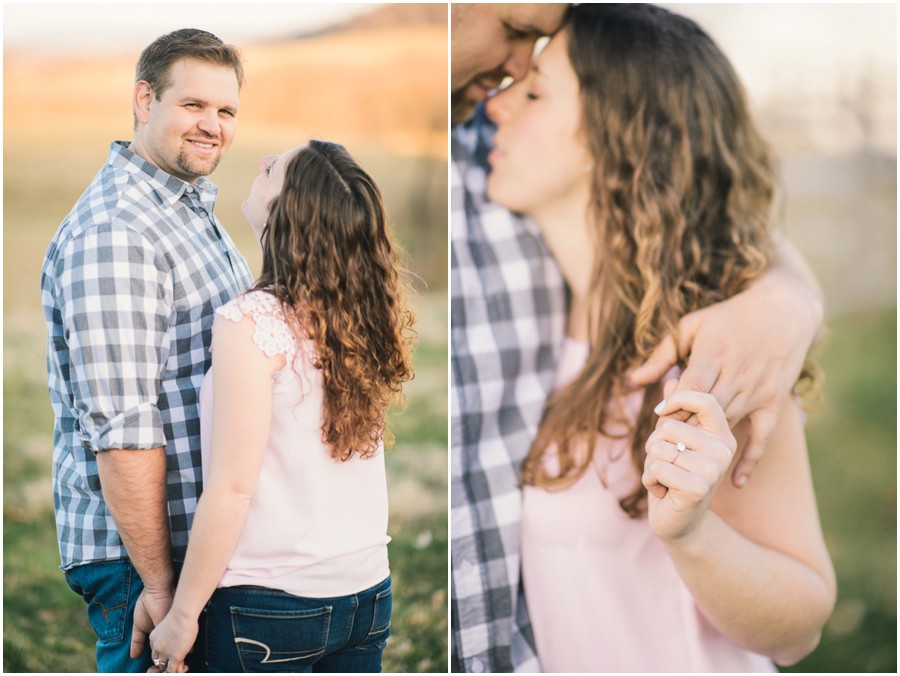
(171, 638)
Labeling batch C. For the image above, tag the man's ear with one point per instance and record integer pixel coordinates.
(143, 97)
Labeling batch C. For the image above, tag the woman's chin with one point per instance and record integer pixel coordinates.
(497, 195)
(505, 191)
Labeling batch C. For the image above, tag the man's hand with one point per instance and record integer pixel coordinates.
(149, 611)
(747, 351)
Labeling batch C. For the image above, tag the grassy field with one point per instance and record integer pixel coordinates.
(853, 447)
(45, 625)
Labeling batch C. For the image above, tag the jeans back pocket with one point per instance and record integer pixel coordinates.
(279, 640)
(106, 587)
(381, 621)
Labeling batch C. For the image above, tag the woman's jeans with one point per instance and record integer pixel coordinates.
(259, 629)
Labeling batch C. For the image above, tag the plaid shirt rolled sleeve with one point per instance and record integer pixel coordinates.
(508, 309)
(129, 286)
(114, 305)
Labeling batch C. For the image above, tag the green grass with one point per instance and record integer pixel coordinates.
(45, 627)
(853, 448)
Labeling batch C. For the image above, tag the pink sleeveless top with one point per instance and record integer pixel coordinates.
(316, 526)
(602, 594)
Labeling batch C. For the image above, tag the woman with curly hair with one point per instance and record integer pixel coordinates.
(288, 551)
(631, 145)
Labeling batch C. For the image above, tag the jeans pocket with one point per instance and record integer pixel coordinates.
(104, 586)
(381, 621)
(279, 640)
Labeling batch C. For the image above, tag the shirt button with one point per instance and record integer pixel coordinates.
(477, 666)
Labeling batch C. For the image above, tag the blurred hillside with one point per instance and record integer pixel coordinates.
(380, 88)
(822, 81)
(391, 16)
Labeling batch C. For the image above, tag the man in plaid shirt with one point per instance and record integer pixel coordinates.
(508, 312)
(129, 287)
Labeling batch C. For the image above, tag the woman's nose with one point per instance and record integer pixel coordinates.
(498, 106)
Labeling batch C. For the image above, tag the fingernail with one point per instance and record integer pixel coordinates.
(659, 407)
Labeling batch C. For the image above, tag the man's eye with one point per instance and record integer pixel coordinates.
(514, 33)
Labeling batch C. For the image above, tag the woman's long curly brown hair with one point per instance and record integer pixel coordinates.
(682, 196)
(330, 259)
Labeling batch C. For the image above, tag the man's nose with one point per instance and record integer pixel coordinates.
(519, 59)
(209, 123)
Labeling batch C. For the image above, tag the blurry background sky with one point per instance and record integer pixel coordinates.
(106, 27)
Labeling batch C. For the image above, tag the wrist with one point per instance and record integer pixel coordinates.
(184, 612)
(794, 304)
(160, 585)
(692, 541)
(798, 295)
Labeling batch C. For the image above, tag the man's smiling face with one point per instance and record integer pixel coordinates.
(190, 127)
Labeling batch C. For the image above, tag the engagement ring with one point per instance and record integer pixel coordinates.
(679, 449)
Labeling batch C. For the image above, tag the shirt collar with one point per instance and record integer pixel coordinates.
(473, 139)
(168, 188)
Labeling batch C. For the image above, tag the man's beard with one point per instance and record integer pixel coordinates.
(192, 167)
(461, 108)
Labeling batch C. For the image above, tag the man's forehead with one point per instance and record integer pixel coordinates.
(539, 18)
(202, 78)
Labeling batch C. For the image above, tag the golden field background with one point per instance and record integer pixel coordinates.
(380, 91)
(385, 84)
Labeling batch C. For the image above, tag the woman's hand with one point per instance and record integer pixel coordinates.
(170, 643)
(748, 350)
(686, 462)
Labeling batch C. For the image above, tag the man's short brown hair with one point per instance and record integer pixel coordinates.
(155, 62)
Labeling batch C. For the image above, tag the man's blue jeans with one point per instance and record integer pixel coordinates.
(111, 589)
(260, 629)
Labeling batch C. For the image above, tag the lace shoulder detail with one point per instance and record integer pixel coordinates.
(272, 334)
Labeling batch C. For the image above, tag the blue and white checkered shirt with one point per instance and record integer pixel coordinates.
(130, 284)
(508, 310)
